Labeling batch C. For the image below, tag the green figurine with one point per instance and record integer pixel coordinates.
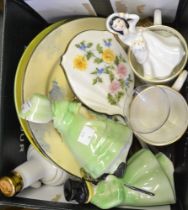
(99, 144)
(147, 181)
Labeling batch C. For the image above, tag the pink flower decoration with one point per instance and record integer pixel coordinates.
(121, 71)
(114, 86)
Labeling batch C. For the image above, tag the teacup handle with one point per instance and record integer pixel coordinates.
(157, 17)
(180, 80)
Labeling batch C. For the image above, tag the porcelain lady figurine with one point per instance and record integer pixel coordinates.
(157, 54)
(147, 181)
(98, 143)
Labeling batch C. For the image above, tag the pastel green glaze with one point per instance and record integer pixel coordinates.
(167, 167)
(98, 143)
(144, 171)
(109, 193)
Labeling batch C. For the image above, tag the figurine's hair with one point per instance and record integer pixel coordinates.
(114, 18)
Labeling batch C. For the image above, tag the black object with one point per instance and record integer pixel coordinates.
(20, 26)
(76, 190)
(120, 171)
(139, 190)
(103, 8)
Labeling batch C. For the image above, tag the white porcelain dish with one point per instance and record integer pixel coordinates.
(98, 71)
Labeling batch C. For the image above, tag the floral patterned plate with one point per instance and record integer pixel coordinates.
(97, 69)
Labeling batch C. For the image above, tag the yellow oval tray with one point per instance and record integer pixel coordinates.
(38, 69)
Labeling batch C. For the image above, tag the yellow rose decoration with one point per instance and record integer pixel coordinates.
(80, 62)
(108, 56)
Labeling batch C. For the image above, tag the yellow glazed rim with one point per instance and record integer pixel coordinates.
(91, 191)
(166, 80)
(178, 137)
(18, 82)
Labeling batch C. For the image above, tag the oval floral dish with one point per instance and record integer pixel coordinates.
(98, 71)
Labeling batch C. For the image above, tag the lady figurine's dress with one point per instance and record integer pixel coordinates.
(158, 54)
(144, 171)
(148, 181)
(98, 143)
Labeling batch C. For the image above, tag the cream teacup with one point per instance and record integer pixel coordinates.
(158, 114)
(165, 31)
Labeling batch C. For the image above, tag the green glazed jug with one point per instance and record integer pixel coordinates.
(147, 182)
(98, 143)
